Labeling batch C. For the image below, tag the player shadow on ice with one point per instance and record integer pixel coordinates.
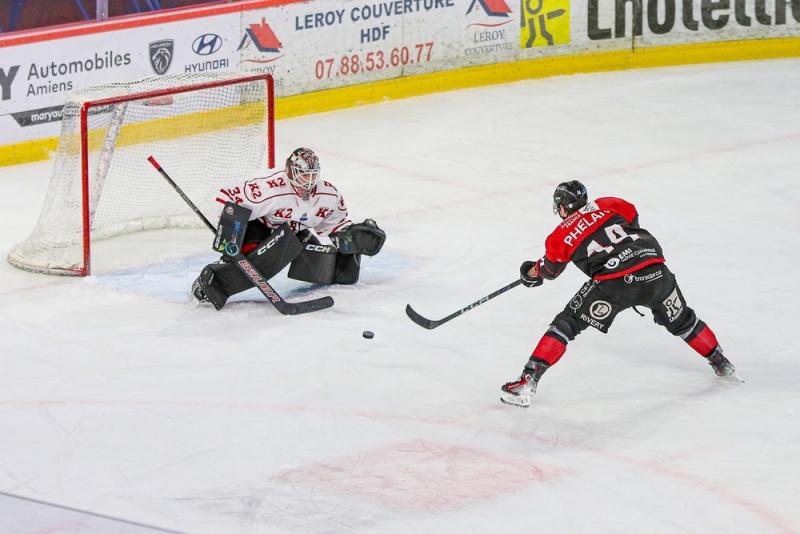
(172, 280)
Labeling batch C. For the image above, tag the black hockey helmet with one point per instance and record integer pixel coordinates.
(572, 195)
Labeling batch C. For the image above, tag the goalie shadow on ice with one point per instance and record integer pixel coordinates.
(169, 280)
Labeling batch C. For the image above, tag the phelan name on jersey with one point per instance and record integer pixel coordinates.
(582, 220)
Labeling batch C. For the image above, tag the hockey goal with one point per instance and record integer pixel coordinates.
(205, 128)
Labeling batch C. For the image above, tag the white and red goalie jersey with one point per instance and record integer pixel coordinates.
(274, 201)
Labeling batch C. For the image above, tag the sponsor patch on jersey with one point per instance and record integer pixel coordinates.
(587, 288)
(600, 310)
(597, 324)
(613, 263)
(576, 302)
(625, 255)
(652, 277)
(673, 305)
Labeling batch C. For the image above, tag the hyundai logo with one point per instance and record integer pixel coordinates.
(207, 44)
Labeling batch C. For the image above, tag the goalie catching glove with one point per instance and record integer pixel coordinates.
(361, 238)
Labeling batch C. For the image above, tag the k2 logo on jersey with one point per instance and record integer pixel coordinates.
(673, 305)
(207, 44)
(6, 79)
(544, 23)
(253, 191)
(161, 55)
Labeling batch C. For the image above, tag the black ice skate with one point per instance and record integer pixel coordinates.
(197, 295)
(204, 292)
(518, 393)
(722, 366)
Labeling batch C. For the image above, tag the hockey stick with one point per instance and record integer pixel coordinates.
(430, 325)
(286, 308)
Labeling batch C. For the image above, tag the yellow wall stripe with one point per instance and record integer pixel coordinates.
(423, 84)
(28, 151)
(536, 68)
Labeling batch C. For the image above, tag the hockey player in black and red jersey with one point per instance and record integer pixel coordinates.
(626, 266)
(289, 209)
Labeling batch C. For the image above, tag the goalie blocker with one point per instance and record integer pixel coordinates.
(271, 250)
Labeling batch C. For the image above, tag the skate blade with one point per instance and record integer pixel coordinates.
(735, 377)
(520, 401)
(193, 299)
(197, 303)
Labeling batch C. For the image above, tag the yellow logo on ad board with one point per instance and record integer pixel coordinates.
(544, 23)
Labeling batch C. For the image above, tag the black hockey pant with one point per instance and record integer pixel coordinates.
(598, 302)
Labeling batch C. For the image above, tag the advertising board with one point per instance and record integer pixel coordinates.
(321, 45)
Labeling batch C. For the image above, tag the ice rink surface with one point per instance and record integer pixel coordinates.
(120, 398)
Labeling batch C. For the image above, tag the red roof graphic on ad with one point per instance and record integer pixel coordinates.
(494, 8)
(263, 37)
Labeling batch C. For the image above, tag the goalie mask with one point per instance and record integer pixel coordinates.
(302, 168)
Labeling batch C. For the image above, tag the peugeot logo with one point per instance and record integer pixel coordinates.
(207, 44)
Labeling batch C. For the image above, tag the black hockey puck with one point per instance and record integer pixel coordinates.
(367, 334)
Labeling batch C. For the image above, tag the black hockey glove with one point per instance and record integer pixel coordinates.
(361, 238)
(529, 281)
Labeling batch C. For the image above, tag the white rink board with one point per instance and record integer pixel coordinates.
(122, 55)
(313, 46)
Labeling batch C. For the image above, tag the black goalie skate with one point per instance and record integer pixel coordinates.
(205, 292)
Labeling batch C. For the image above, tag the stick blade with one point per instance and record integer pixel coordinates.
(420, 320)
(308, 306)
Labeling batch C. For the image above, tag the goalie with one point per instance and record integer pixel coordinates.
(289, 209)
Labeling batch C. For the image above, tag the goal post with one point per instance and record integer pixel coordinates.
(208, 127)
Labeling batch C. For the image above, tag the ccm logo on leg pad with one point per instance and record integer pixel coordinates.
(325, 249)
(269, 244)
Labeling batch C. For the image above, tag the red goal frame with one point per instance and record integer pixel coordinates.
(86, 270)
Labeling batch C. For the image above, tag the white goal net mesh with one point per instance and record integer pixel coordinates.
(204, 128)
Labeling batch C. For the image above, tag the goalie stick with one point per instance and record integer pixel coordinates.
(430, 325)
(239, 259)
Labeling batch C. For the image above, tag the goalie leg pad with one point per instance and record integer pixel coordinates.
(315, 264)
(270, 257)
(321, 264)
(348, 267)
